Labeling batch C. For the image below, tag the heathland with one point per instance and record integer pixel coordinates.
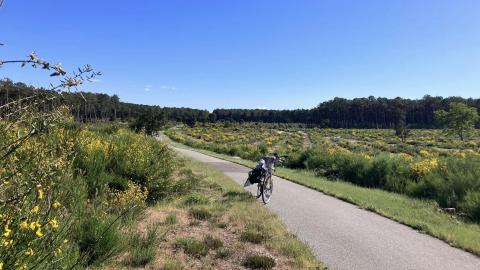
(107, 194)
(77, 195)
(428, 180)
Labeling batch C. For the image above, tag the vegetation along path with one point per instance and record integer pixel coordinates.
(345, 236)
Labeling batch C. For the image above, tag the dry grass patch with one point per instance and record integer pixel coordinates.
(173, 264)
(212, 242)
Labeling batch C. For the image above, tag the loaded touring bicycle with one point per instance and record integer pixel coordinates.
(262, 176)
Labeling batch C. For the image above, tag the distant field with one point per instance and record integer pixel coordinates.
(251, 139)
(427, 164)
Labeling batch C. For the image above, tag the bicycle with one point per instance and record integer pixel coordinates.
(265, 186)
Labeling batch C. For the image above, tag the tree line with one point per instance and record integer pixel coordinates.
(95, 107)
(368, 112)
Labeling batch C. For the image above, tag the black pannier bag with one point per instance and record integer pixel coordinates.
(254, 175)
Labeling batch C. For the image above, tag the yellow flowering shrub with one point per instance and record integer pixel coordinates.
(91, 142)
(425, 153)
(406, 156)
(133, 196)
(337, 150)
(366, 156)
(34, 162)
(425, 166)
(126, 156)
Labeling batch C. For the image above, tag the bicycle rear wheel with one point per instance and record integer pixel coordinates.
(267, 189)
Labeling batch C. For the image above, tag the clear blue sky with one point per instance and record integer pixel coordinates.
(252, 54)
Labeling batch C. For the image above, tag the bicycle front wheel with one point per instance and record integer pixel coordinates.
(267, 189)
(259, 190)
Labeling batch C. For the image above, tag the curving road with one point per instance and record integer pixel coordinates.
(346, 237)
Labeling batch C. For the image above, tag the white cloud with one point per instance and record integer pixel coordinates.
(94, 80)
(167, 87)
(149, 88)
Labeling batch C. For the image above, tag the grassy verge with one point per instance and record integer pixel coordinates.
(422, 215)
(216, 226)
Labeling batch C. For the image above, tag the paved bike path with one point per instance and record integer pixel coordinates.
(346, 237)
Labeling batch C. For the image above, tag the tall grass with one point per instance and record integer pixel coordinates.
(143, 248)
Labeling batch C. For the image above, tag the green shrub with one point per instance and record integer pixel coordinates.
(182, 184)
(316, 160)
(450, 184)
(390, 173)
(297, 160)
(354, 168)
(97, 239)
(259, 262)
(114, 158)
(471, 204)
(192, 246)
(118, 183)
(447, 184)
(93, 165)
(234, 151)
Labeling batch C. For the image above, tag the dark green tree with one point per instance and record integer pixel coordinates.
(150, 121)
(400, 124)
(459, 119)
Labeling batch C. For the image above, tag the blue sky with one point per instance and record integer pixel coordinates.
(251, 54)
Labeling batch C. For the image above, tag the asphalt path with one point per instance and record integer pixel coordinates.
(344, 236)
